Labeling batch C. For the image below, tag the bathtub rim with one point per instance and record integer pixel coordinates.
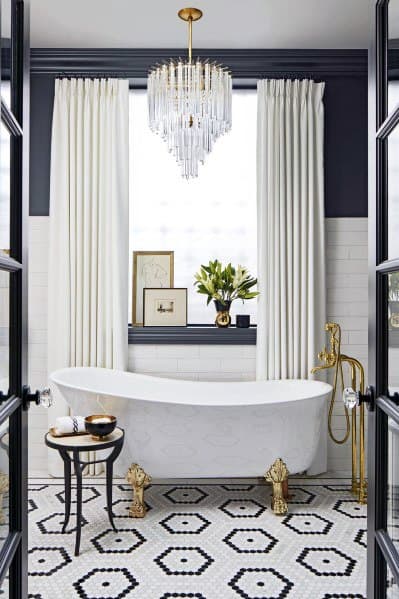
(321, 389)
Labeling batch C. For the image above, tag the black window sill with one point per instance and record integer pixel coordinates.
(192, 335)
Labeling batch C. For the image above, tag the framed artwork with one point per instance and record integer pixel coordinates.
(150, 270)
(165, 307)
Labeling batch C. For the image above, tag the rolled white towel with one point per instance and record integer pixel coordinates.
(70, 424)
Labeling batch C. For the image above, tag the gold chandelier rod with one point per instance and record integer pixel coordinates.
(189, 15)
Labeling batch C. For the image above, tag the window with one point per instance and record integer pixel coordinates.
(211, 217)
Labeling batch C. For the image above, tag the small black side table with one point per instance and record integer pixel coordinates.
(74, 445)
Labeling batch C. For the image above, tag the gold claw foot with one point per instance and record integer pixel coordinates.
(4, 486)
(139, 481)
(277, 475)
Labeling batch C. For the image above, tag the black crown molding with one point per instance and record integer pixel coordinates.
(244, 63)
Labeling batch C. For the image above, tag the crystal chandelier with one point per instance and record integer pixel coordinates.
(189, 103)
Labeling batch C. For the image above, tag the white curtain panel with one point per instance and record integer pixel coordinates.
(291, 248)
(89, 216)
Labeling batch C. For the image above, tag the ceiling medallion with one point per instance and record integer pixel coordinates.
(189, 103)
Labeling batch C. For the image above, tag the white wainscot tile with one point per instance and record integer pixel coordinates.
(337, 252)
(198, 365)
(38, 279)
(358, 351)
(154, 365)
(238, 365)
(348, 308)
(37, 336)
(347, 239)
(227, 351)
(355, 323)
(358, 337)
(346, 281)
(38, 258)
(37, 350)
(358, 252)
(220, 376)
(347, 267)
(142, 351)
(346, 224)
(178, 351)
(338, 295)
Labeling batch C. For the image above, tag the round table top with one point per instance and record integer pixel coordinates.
(84, 442)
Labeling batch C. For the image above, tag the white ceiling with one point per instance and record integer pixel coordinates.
(226, 23)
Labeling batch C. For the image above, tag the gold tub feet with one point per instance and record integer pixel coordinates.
(278, 475)
(139, 481)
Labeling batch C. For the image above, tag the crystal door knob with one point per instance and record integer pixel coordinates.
(40, 398)
(350, 398)
(45, 397)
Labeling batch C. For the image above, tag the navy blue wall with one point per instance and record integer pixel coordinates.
(345, 74)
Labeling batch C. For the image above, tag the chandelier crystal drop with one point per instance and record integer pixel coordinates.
(189, 104)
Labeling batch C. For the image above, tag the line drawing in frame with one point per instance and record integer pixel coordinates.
(151, 269)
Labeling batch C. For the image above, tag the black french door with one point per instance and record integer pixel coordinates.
(14, 168)
(383, 420)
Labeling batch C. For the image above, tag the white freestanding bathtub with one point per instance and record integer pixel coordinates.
(176, 428)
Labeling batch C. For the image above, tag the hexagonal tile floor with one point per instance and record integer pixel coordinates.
(218, 541)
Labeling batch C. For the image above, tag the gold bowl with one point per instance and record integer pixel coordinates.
(100, 426)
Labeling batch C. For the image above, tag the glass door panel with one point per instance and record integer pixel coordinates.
(4, 482)
(6, 11)
(393, 193)
(5, 164)
(393, 55)
(392, 587)
(393, 333)
(4, 331)
(393, 483)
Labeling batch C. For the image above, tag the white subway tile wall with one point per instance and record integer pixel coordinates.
(347, 304)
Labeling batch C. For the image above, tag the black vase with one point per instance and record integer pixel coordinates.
(242, 321)
(223, 318)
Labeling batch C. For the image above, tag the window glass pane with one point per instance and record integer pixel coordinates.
(393, 482)
(392, 587)
(4, 189)
(393, 54)
(4, 482)
(4, 330)
(213, 216)
(5, 49)
(393, 332)
(393, 194)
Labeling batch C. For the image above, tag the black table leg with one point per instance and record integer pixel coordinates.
(67, 487)
(109, 467)
(78, 472)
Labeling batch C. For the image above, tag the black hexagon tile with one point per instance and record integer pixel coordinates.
(184, 561)
(112, 583)
(185, 495)
(52, 525)
(88, 494)
(308, 524)
(250, 540)
(261, 583)
(242, 508)
(350, 508)
(185, 523)
(46, 561)
(326, 561)
(125, 540)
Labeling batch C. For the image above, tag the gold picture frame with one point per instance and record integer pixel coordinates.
(154, 269)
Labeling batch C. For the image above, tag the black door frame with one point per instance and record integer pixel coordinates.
(15, 118)
(381, 550)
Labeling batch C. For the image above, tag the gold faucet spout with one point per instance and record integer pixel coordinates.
(321, 367)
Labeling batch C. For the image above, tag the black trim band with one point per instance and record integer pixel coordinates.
(192, 335)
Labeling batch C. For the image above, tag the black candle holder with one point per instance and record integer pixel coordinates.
(242, 321)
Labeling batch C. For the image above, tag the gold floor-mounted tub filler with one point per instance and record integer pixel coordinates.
(332, 358)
